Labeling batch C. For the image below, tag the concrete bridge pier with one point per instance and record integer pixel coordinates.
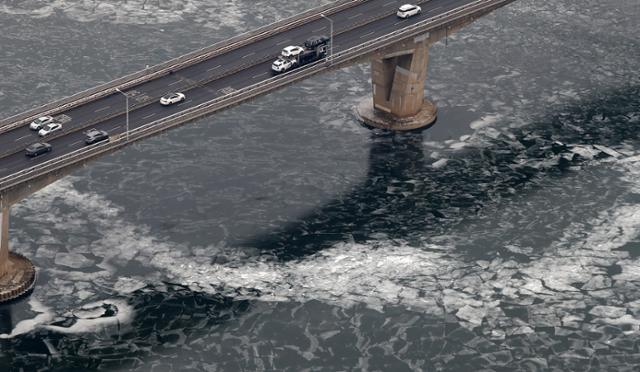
(17, 273)
(4, 241)
(398, 75)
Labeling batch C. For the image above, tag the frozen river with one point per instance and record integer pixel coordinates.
(281, 235)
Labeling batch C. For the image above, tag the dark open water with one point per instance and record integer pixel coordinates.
(280, 235)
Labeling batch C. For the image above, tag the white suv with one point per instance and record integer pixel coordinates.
(408, 10)
(292, 51)
(282, 65)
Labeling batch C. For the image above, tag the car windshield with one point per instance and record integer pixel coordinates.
(170, 96)
(404, 8)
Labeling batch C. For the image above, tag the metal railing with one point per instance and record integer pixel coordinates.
(245, 93)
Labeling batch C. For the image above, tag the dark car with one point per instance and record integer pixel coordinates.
(314, 41)
(38, 149)
(95, 136)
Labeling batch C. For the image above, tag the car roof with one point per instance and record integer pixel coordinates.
(407, 7)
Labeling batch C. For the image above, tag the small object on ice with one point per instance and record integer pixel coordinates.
(439, 163)
(584, 152)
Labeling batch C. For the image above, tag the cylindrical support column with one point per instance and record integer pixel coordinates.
(398, 80)
(398, 75)
(17, 273)
(4, 241)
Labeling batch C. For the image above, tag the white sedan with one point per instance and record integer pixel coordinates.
(40, 122)
(172, 98)
(49, 128)
(292, 51)
(408, 10)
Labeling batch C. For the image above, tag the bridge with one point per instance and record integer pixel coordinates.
(223, 75)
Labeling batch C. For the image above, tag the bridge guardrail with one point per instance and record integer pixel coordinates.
(185, 60)
(245, 93)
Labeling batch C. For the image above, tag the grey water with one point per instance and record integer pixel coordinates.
(282, 235)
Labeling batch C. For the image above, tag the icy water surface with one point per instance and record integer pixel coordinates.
(281, 235)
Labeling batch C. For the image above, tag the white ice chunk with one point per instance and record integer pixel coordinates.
(439, 163)
(608, 311)
(471, 314)
(73, 260)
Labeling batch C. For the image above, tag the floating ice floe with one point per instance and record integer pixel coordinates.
(86, 318)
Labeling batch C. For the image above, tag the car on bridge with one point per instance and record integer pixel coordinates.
(49, 128)
(282, 65)
(316, 40)
(40, 122)
(95, 136)
(171, 98)
(38, 148)
(408, 10)
(292, 51)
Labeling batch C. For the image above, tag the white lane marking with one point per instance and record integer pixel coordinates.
(102, 109)
(73, 144)
(355, 16)
(183, 102)
(118, 127)
(397, 23)
(264, 73)
(283, 42)
(389, 3)
(319, 29)
(247, 55)
(365, 35)
(23, 137)
(176, 82)
(148, 116)
(434, 9)
(213, 68)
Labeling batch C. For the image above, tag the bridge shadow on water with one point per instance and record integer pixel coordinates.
(393, 201)
(404, 197)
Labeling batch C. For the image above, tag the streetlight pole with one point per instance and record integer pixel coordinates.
(126, 97)
(331, 33)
